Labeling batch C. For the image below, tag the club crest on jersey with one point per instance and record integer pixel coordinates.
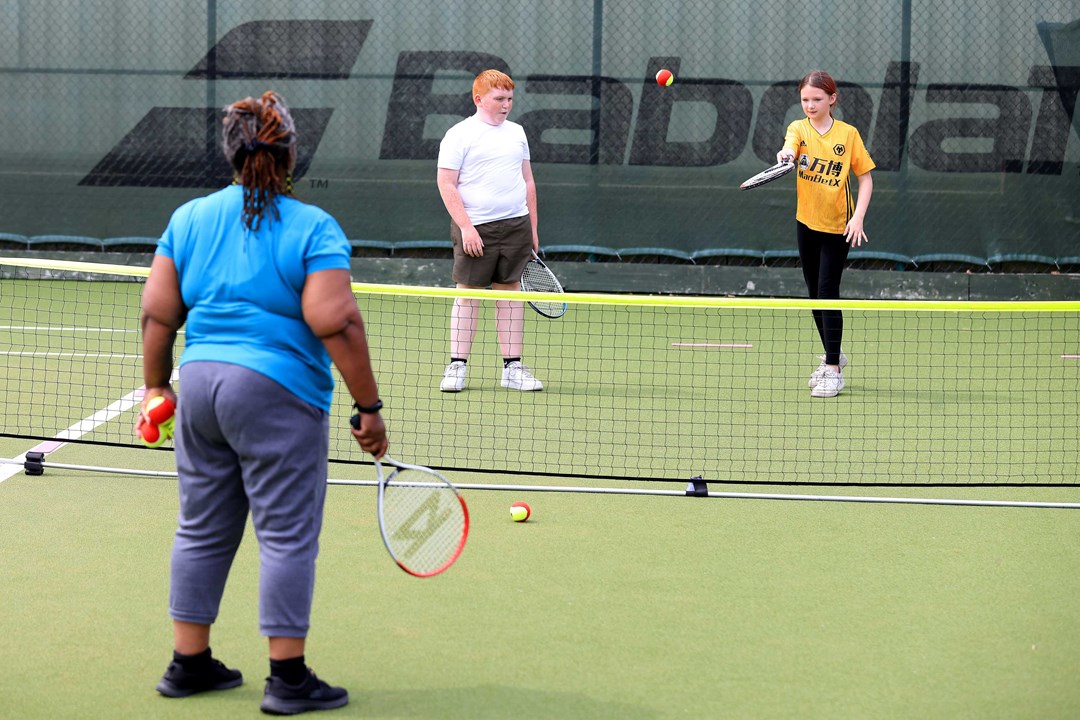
(804, 161)
(838, 149)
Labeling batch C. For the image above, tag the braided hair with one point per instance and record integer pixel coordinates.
(259, 140)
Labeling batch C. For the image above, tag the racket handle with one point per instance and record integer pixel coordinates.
(355, 419)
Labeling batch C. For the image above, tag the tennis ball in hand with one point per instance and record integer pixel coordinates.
(154, 436)
(159, 423)
(159, 409)
(520, 511)
(664, 78)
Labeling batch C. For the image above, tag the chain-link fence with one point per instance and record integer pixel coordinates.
(110, 116)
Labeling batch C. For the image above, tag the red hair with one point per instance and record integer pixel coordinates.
(489, 79)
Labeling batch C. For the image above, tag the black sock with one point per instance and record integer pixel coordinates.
(463, 361)
(507, 361)
(292, 671)
(192, 663)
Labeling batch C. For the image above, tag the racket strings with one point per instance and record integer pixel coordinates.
(423, 521)
(537, 278)
(768, 175)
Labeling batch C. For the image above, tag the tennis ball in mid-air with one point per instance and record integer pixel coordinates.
(520, 511)
(664, 78)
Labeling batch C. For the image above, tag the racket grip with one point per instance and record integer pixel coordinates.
(355, 419)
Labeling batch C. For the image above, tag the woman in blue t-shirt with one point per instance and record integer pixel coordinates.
(262, 282)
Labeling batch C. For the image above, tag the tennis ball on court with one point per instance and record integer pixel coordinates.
(159, 409)
(520, 511)
(664, 78)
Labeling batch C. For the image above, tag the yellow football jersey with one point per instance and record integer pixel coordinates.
(825, 163)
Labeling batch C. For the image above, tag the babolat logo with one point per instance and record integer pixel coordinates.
(180, 146)
(838, 149)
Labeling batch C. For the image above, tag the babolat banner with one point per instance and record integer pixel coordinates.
(110, 115)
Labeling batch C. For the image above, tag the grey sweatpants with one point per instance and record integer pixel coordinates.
(244, 442)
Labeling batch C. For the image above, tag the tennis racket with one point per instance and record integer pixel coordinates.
(769, 174)
(537, 277)
(423, 519)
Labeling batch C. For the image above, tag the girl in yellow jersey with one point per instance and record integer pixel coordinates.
(828, 151)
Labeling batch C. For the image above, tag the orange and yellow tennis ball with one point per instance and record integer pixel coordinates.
(159, 409)
(159, 412)
(664, 78)
(152, 435)
(520, 511)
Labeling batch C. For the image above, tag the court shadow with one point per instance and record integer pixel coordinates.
(492, 702)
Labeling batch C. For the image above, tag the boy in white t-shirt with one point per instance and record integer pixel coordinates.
(486, 182)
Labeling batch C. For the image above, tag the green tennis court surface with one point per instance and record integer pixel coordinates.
(975, 394)
(598, 607)
(601, 606)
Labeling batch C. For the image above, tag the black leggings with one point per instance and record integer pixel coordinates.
(823, 256)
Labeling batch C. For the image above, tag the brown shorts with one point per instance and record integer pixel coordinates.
(507, 249)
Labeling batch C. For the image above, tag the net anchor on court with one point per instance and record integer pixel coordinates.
(33, 465)
(697, 487)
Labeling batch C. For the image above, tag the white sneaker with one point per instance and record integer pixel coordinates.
(453, 379)
(831, 384)
(815, 377)
(517, 377)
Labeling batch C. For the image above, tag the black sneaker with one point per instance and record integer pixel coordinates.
(178, 682)
(281, 698)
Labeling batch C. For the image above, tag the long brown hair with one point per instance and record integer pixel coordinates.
(820, 80)
(259, 140)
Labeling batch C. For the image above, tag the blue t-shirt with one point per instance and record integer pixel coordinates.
(242, 288)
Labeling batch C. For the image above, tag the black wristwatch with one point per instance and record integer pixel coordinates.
(371, 409)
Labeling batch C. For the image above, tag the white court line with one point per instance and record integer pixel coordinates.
(644, 491)
(60, 328)
(76, 431)
(711, 345)
(47, 353)
(80, 428)
(87, 424)
(65, 329)
(72, 329)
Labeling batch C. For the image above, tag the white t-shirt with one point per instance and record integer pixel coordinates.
(488, 159)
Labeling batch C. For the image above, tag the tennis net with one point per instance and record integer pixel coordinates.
(635, 388)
